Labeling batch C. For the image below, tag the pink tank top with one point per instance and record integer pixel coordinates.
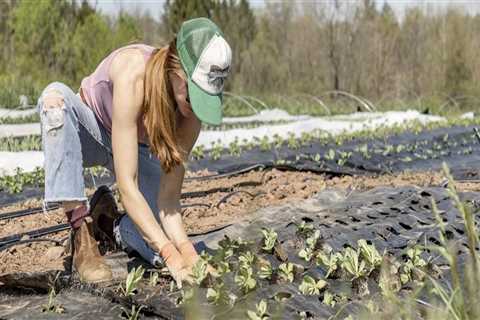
(97, 89)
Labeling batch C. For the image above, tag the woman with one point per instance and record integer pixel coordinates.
(139, 114)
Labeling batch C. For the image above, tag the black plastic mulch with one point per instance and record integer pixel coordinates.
(391, 218)
(458, 146)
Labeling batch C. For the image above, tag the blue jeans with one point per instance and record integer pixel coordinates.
(73, 139)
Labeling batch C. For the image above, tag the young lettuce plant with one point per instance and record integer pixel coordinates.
(246, 259)
(269, 239)
(352, 263)
(308, 251)
(286, 272)
(245, 280)
(304, 229)
(370, 254)
(199, 271)
(356, 268)
(219, 295)
(310, 286)
(292, 141)
(330, 261)
(413, 263)
(265, 269)
(260, 313)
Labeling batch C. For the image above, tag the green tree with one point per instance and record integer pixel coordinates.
(89, 50)
(177, 11)
(458, 73)
(41, 38)
(237, 21)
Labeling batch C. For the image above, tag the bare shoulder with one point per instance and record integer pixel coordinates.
(129, 64)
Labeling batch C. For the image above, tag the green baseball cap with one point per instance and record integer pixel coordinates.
(206, 59)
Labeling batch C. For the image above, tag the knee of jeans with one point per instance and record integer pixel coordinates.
(52, 108)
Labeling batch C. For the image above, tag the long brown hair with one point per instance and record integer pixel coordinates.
(159, 106)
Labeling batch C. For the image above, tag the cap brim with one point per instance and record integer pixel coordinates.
(207, 107)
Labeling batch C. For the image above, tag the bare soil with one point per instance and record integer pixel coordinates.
(218, 202)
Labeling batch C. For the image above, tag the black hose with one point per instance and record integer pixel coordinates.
(33, 234)
(5, 247)
(224, 199)
(198, 194)
(26, 212)
(228, 174)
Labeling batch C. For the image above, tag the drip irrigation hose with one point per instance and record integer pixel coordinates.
(33, 234)
(7, 246)
(228, 196)
(26, 212)
(198, 194)
(196, 234)
(227, 174)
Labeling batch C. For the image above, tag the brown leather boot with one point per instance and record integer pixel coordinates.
(104, 212)
(87, 260)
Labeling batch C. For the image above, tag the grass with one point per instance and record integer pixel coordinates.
(324, 105)
(33, 118)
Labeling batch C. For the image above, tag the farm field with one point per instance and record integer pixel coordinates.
(318, 224)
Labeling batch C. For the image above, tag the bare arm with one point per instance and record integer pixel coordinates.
(188, 129)
(127, 72)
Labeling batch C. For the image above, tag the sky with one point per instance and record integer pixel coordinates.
(156, 6)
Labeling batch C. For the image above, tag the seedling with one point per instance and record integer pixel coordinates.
(370, 254)
(199, 271)
(269, 239)
(246, 259)
(329, 261)
(310, 286)
(131, 283)
(285, 272)
(216, 150)
(234, 147)
(264, 144)
(329, 299)
(414, 261)
(277, 141)
(310, 246)
(245, 280)
(292, 141)
(352, 264)
(260, 313)
(266, 270)
(304, 229)
(133, 314)
(51, 306)
(330, 155)
(153, 281)
(218, 295)
(198, 152)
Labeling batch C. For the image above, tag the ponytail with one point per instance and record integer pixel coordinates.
(159, 106)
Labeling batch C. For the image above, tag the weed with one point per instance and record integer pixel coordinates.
(51, 306)
(132, 314)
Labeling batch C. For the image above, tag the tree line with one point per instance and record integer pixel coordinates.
(283, 47)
